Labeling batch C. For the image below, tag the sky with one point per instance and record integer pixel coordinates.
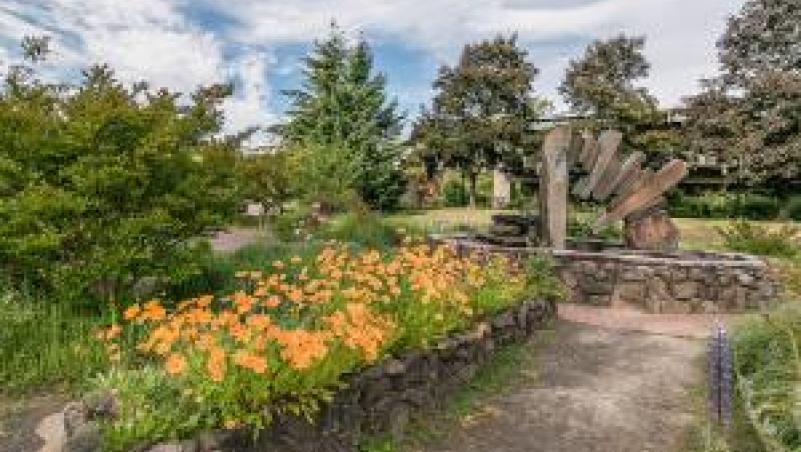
(258, 44)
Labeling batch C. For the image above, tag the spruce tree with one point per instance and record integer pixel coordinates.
(342, 106)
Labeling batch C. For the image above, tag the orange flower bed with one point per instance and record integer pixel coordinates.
(289, 334)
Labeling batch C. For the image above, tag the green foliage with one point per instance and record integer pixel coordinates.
(748, 237)
(753, 206)
(105, 184)
(46, 344)
(581, 228)
(792, 208)
(748, 115)
(326, 175)
(482, 109)
(541, 279)
(268, 178)
(365, 229)
(768, 369)
(602, 84)
(454, 193)
(342, 107)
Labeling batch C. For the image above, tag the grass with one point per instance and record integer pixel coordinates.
(446, 220)
(696, 233)
(507, 368)
(705, 436)
(45, 344)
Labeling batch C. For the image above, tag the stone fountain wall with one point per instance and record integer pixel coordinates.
(656, 282)
(667, 282)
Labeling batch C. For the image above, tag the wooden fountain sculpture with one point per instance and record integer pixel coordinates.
(635, 195)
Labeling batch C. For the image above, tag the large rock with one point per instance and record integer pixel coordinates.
(651, 229)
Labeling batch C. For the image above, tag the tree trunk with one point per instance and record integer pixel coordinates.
(472, 189)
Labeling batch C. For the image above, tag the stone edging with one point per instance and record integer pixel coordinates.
(378, 400)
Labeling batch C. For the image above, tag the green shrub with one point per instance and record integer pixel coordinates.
(748, 237)
(455, 193)
(792, 208)
(366, 229)
(768, 370)
(721, 204)
(755, 206)
(104, 184)
(581, 228)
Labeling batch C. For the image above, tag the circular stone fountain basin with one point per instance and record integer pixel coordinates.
(654, 281)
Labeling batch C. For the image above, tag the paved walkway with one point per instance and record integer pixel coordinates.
(609, 381)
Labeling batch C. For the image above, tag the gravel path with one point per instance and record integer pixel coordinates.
(599, 389)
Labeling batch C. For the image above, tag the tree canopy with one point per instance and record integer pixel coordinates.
(482, 109)
(602, 85)
(102, 184)
(342, 106)
(750, 115)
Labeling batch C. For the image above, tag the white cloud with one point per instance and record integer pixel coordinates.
(246, 109)
(157, 40)
(148, 40)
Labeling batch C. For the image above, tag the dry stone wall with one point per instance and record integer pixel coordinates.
(655, 281)
(379, 400)
(667, 282)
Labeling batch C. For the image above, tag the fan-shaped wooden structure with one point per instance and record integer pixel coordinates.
(633, 194)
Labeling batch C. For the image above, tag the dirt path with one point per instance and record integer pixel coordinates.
(599, 389)
(21, 422)
(608, 381)
(235, 238)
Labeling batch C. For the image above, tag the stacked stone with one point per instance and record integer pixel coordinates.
(667, 284)
(379, 400)
(511, 230)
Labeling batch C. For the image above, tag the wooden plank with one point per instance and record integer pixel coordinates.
(604, 186)
(588, 151)
(642, 177)
(554, 186)
(628, 169)
(670, 175)
(575, 149)
(608, 143)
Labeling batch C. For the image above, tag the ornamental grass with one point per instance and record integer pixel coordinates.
(282, 343)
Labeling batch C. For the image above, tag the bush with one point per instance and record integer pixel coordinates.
(753, 206)
(103, 185)
(582, 229)
(748, 237)
(455, 193)
(366, 229)
(287, 336)
(768, 369)
(792, 208)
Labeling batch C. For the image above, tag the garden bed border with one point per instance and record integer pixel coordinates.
(379, 400)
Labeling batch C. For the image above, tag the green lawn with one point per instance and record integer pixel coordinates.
(696, 233)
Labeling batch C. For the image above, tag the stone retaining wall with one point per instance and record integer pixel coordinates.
(657, 282)
(667, 282)
(379, 400)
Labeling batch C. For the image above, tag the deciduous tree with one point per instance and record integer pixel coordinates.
(482, 110)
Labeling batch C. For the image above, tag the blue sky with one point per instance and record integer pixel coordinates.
(259, 43)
